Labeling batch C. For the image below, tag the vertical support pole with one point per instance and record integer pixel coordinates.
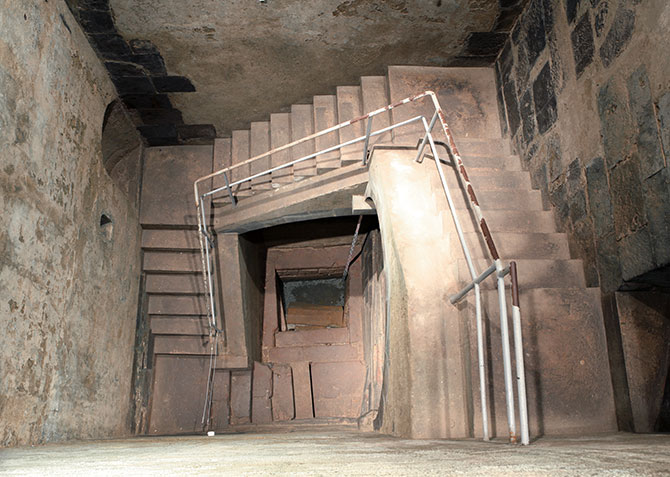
(480, 363)
(367, 140)
(518, 357)
(507, 360)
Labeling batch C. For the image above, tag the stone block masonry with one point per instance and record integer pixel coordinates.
(596, 88)
(584, 98)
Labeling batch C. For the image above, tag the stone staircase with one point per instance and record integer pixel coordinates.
(564, 341)
(304, 119)
(567, 369)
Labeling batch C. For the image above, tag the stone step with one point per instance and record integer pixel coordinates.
(349, 106)
(240, 153)
(170, 240)
(179, 325)
(497, 161)
(374, 93)
(533, 273)
(514, 246)
(501, 199)
(490, 179)
(182, 345)
(280, 135)
(563, 337)
(517, 221)
(325, 116)
(175, 284)
(172, 262)
(177, 305)
(259, 138)
(302, 125)
(482, 147)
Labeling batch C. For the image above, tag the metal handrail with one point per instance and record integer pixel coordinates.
(497, 266)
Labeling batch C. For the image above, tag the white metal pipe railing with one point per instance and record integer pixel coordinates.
(476, 279)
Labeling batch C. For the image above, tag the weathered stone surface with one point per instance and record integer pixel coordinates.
(338, 388)
(663, 106)
(575, 192)
(645, 333)
(657, 202)
(616, 125)
(68, 290)
(609, 265)
(240, 397)
(600, 205)
(283, 408)
(261, 393)
(527, 117)
(571, 8)
(545, 100)
(582, 44)
(167, 190)
(286, 41)
(302, 390)
(533, 26)
(636, 253)
(648, 142)
(600, 17)
(627, 199)
(582, 245)
(511, 105)
(178, 394)
(618, 36)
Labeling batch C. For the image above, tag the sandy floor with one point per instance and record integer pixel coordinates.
(317, 453)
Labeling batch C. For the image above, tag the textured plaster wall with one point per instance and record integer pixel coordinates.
(585, 90)
(68, 291)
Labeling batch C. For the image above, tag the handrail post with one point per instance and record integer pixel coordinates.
(419, 155)
(230, 192)
(507, 360)
(367, 140)
(473, 274)
(481, 363)
(519, 357)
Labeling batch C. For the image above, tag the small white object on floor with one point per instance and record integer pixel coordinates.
(211, 433)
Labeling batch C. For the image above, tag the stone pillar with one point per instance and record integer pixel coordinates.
(425, 380)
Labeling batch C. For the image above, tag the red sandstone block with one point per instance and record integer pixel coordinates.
(338, 388)
(240, 397)
(302, 390)
(220, 400)
(261, 408)
(312, 337)
(282, 393)
(321, 353)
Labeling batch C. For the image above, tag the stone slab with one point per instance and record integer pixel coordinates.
(240, 397)
(338, 388)
(302, 390)
(283, 408)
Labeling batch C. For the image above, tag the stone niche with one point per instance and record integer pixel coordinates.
(313, 333)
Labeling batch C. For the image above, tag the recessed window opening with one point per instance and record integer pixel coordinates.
(312, 301)
(106, 226)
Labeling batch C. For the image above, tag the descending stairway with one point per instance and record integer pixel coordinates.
(554, 297)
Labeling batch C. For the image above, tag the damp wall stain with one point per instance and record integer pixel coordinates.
(68, 294)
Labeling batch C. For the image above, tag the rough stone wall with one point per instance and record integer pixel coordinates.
(584, 93)
(68, 288)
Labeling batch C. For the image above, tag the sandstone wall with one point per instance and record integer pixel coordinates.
(584, 93)
(68, 287)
